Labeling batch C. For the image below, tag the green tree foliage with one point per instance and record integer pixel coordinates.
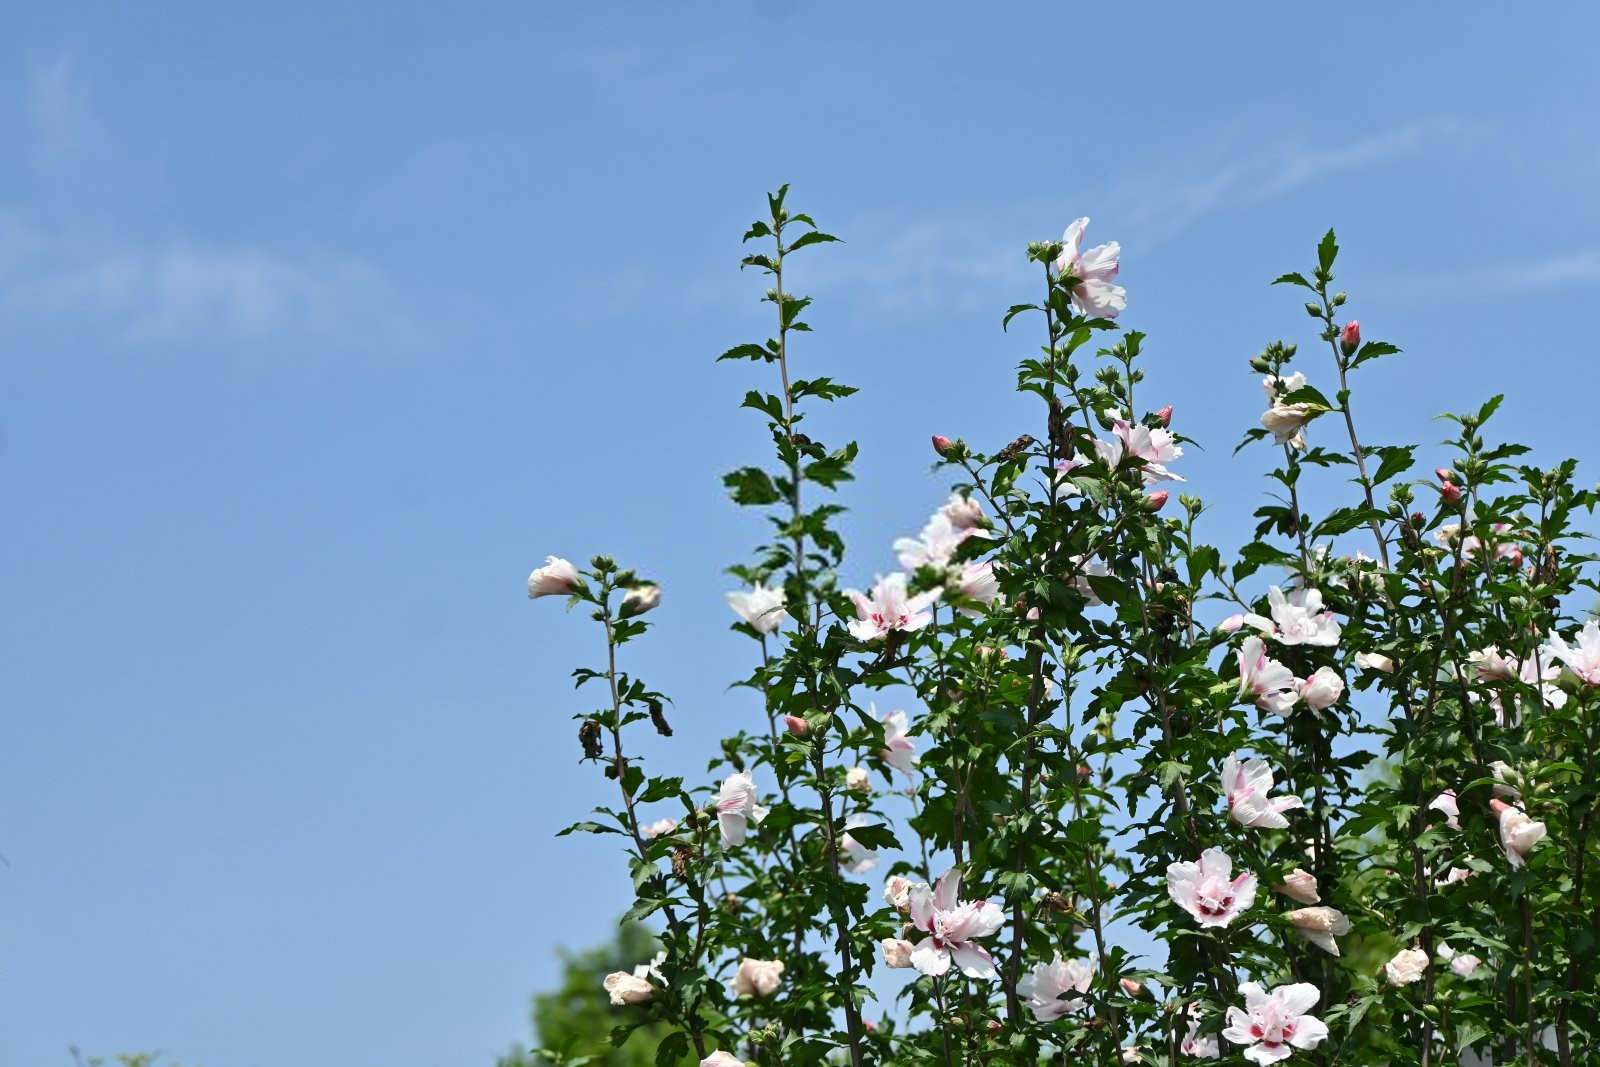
(573, 1022)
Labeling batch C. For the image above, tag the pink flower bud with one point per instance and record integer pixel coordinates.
(1165, 415)
(1084, 771)
(797, 726)
(1156, 500)
(1350, 337)
(1497, 805)
(941, 444)
(1444, 474)
(1130, 987)
(1231, 624)
(1450, 492)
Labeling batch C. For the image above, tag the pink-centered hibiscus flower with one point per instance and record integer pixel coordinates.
(1157, 447)
(952, 926)
(737, 807)
(1274, 1023)
(1207, 890)
(1246, 786)
(1049, 987)
(1274, 686)
(936, 544)
(1094, 294)
(1298, 618)
(889, 608)
(898, 751)
(1582, 660)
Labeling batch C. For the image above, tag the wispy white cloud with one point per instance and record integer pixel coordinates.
(187, 290)
(1170, 194)
(61, 113)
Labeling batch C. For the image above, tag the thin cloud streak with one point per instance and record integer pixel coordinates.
(184, 290)
(60, 111)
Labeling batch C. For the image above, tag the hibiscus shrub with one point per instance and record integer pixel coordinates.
(1111, 830)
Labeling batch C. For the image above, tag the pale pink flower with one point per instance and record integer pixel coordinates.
(1094, 294)
(1287, 422)
(1200, 1046)
(1130, 987)
(1374, 661)
(898, 751)
(935, 546)
(897, 892)
(1082, 572)
(1446, 802)
(1047, 986)
(1065, 486)
(1407, 966)
(796, 725)
(722, 1059)
(556, 578)
(1133, 1054)
(1518, 832)
(1492, 666)
(736, 807)
(953, 927)
(1205, 890)
(625, 988)
(1452, 876)
(1584, 660)
(1283, 386)
(977, 583)
(1463, 963)
(756, 978)
(1273, 1021)
(896, 952)
(638, 600)
(659, 827)
(1231, 624)
(1297, 619)
(761, 607)
(1320, 926)
(1272, 684)
(889, 608)
(1322, 690)
(1156, 447)
(1246, 786)
(1300, 885)
(964, 512)
(858, 779)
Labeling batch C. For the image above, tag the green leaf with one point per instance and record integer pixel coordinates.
(1017, 309)
(1396, 459)
(1293, 278)
(874, 836)
(1327, 250)
(750, 351)
(751, 486)
(815, 237)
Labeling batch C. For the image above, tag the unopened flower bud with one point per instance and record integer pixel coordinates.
(1156, 500)
(1444, 474)
(1260, 365)
(1339, 298)
(1313, 309)
(1130, 987)
(1231, 624)
(1165, 415)
(941, 444)
(1350, 337)
(1450, 492)
(797, 726)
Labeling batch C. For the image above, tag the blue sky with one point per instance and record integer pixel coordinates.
(319, 328)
